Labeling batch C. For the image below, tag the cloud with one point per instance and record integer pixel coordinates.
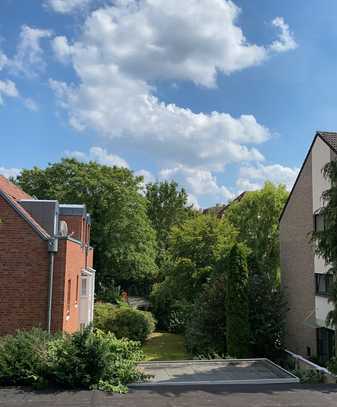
(31, 104)
(286, 39)
(66, 6)
(124, 49)
(100, 155)
(3, 60)
(253, 177)
(29, 53)
(198, 182)
(61, 48)
(8, 89)
(10, 172)
(147, 175)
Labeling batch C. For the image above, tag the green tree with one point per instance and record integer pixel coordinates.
(326, 239)
(237, 313)
(167, 207)
(256, 219)
(195, 250)
(124, 241)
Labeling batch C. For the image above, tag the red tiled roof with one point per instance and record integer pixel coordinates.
(12, 190)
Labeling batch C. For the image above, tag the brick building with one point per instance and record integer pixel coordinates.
(46, 274)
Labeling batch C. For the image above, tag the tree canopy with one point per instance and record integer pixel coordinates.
(123, 238)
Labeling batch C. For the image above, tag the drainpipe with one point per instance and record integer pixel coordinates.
(50, 287)
(52, 249)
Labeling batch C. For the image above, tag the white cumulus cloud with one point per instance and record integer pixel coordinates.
(29, 54)
(100, 155)
(286, 40)
(66, 6)
(9, 172)
(253, 177)
(124, 48)
(198, 182)
(8, 89)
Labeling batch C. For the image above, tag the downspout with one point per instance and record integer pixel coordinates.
(50, 288)
(52, 249)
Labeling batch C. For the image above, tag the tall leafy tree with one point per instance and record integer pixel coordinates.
(196, 249)
(167, 207)
(237, 312)
(326, 239)
(124, 241)
(256, 219)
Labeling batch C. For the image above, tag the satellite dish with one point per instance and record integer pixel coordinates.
(63, 228)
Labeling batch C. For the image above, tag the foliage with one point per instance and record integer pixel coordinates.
(237, 312)
(24, 358)
(309, 376)
(124, 241)
(332, 365)
(179, 317)
(326, 240)
(167, 207)
(103, 311)
(206, 327)
(267, 315)
(124, 322)
(195, 248)
(88, 359)
(256, 219)
(165, 346)
(111, 294)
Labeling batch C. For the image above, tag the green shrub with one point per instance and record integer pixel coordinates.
(309, 376)
(179, 317)
(88, 359)
(102, 313)
(124, 321)
(24, 358)
(332, 365)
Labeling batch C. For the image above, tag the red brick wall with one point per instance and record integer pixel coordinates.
(23, 273)
(69, 263)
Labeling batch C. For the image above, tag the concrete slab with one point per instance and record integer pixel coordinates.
(221, 371)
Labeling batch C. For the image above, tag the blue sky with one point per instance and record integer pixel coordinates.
(218, 95)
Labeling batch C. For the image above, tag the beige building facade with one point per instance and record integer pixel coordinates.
(304, 275)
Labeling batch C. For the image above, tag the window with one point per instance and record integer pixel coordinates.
(323, 284)
(84, 287)
(68, 296)
(325, 344)
(76, 289)
(319, 223)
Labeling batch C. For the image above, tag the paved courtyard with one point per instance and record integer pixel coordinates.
(249, 371)
(281, 395)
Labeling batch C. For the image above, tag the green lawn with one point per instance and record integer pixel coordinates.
(165, 346)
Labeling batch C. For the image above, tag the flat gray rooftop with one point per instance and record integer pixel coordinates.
(224, 371)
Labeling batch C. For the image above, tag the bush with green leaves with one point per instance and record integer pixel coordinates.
(24, 358)
(309, 376)
(124, 321)
(88, 359)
